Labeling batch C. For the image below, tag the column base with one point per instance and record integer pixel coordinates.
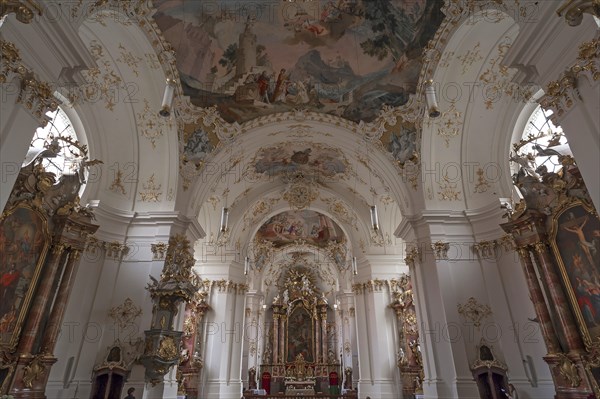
(568, 375)
(31, 376)
(220, 389)
(378, 389)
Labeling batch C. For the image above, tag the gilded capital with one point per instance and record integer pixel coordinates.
(540, 247)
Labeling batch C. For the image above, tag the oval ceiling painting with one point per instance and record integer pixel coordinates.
(253, 58)
(309, 226)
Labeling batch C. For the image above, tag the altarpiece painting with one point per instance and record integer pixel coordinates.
(576, 243)
(24, 242)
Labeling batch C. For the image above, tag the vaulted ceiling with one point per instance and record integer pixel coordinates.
(345, 129)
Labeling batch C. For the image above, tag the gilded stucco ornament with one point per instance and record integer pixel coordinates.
(440, 250)
(474, 311)
(24, 10)
(33, 371)
(125, 314)
(568, 370)
(413, 256)
(562, 93)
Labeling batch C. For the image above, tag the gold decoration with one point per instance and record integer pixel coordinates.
(448, 190)
(35, 95)
(167, 348)
(257, 210)
(152, 191)
(230, 286)
(33, 371)
(568, 370)
(159, 250)
(560, 94)
(117, 183)
(300, 194)
(482, 184)
(129, 59)
(440, 250)
(24, 10)
(125, 314)
(413, 255)
(341, 210)
(474, 311)
(485, 249)
(469, 58)
(573, 10)
(374, 285)
(103, 82)
(151, 125)
(115, 249)
(179, 260)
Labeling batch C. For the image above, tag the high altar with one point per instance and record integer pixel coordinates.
(299, 357)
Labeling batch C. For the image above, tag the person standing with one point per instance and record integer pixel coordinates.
(130, 392)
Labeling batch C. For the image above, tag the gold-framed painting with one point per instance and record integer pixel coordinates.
(24, 243)
(575, 240)
(300, 334)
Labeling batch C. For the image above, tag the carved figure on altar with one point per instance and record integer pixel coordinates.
(252, 378)
(286, 296)
(300, 366)
(348, 379)
(331, 357)
(305, 284)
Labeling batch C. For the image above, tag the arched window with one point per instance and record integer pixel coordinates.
(65, 153)
(541, 146)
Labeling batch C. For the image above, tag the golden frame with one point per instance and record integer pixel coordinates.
(579, 318)
(11, 344)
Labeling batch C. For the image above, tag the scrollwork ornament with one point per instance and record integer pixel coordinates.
(168, 349)
(33, 371)
(474, 311)
(568, 370)
(125, 314)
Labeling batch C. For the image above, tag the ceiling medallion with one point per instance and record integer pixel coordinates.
(300, 194)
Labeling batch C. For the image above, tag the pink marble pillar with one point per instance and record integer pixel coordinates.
(275, 338)
(58, 309)
(539, 304)
(563, 311)
(282, 324)
(324, 335)
(43, 295)
(317, 331)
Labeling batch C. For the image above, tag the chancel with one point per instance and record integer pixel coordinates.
(299, 199)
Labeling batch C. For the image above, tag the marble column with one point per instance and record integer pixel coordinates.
(565, 317)
(276, 317)
(317, 329)
(40, 304)
(60, 303)
(282, 328)
(539, 304)
(324, 334)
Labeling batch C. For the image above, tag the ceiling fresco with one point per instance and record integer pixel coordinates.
(254, 58)
(309, 226)
(292, 159)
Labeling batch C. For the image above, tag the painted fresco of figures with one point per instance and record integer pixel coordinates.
(307, 225)
(358, 55)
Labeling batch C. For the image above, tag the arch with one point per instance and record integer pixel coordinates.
(119, 106)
